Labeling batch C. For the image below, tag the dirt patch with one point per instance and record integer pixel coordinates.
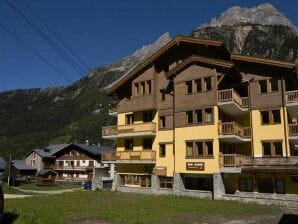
(87, 220)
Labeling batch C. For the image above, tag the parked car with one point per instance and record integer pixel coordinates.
(1, 203)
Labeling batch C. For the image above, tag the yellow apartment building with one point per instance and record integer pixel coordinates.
(194, 119)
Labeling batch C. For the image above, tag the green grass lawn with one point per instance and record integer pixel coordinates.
(34, 187)
(114, 207)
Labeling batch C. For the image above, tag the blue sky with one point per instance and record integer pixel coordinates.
(99, 31)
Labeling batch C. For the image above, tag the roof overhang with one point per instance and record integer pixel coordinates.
(264, 61)
(199, 59)
(175, 42)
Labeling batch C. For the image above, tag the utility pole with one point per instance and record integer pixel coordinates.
(8, 179)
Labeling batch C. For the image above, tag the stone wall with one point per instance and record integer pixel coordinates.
(261, 198)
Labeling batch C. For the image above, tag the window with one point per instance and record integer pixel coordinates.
(149, 89)
(162, 95)
(128, 144)
(78, 162)
(189, 149)
(263, 86)
(273, 85)
(189, 117)
(280, 187)
(272, 149)
(162, 121)
(137, 89)
(270, 117)
(199, 116)
(276, 116)
(198, 83)
(188, 87)
(147, 116)
(165, 182)
(265, 117)
(143, 90)
(265, 186)
(162, 150)
(207, 84)
(246, 184)
(208, 115)
(195, 149)
(128, 119)
(147, 143)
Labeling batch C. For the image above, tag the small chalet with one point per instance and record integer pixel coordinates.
(46, 177)
(73, 162)
(22, 172)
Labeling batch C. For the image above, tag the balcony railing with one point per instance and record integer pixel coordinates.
(59, 167)
(293, 130)
(271, 161)
(231, 160)
(129, 155)
(292, 96)
(132, 128)
(161, 171)
(232, 128)
(231, 95)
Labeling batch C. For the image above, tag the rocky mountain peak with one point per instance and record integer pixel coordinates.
(264, 14)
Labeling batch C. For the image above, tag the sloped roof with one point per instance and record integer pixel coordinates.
(94, 149)
(259, 60)
(2, 163)
(22, 165)
(175, 42)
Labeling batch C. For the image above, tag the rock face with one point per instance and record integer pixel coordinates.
(263, 14)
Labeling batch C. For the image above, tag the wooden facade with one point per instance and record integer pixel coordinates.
(218, 109)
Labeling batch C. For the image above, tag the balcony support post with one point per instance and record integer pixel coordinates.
(218, 186)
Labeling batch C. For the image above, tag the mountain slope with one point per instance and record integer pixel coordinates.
(36, 117)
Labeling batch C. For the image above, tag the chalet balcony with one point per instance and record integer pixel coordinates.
(161, 171)
(231, 132)
(293, 132)
(231, 102)
(132, 130)
(127, 157)
(78, 168)
(231, 163)
(271, 164)
(292, 102)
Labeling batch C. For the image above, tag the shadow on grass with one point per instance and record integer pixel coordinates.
(288, 219)
(9, 217)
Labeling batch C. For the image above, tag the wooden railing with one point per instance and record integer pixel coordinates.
(129, 155)
(231, 160)
(293, 129)
(271, 161)
(232, 128)
(292, 96)
(132, 128)
(161, 171)
(231, 95)
(59, 167)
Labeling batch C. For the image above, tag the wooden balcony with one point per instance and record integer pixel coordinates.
(161, 171)
(132, 130)
(138, 157)
(78, 168)
(271, 164)
(293, 131)
(231, 160)
(292, 102)
(233, 132)
(231, 102)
